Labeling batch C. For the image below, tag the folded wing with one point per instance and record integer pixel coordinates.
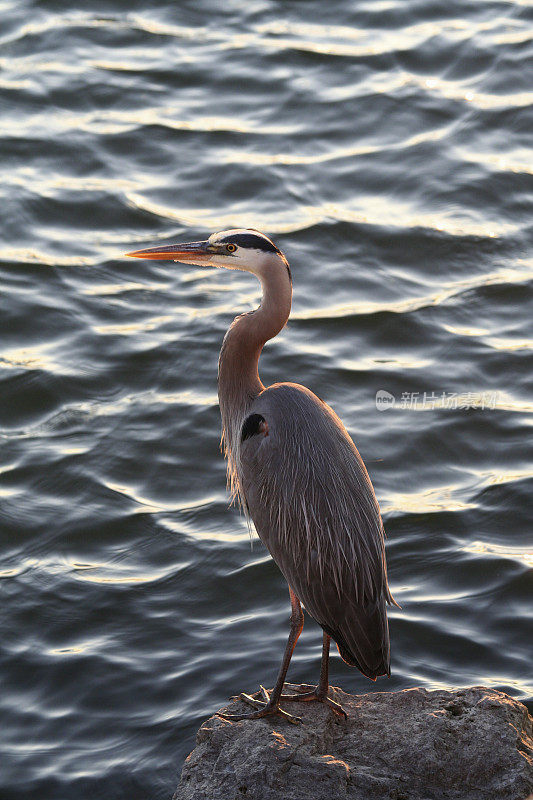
(313, 505)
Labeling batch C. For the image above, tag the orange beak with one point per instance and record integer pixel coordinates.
(188, 253)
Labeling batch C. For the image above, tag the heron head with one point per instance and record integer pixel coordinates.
(240, 248)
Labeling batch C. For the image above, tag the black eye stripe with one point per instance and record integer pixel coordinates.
(251, 240)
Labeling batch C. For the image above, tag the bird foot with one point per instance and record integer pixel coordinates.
(265, 709)
(308, 693)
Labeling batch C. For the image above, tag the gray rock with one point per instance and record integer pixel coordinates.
(471, 744)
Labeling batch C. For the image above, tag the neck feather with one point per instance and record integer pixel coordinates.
(238, 377)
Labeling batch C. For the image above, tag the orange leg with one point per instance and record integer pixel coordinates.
(320, 692)
(271, 702)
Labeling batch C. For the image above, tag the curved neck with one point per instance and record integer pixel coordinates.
(238, 377)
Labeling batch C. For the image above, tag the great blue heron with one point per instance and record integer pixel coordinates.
(299, 476)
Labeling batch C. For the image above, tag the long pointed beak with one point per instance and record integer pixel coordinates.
(189, 252)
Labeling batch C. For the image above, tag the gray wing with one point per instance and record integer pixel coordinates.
(313, 505)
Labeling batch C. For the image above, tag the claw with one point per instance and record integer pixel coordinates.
(264, 693)
(305, 687)
(306, 696)
(265, 709)
(252, 701)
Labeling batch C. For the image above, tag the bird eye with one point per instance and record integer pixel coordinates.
(231, 248)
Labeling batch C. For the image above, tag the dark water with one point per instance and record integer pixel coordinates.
(385, 147)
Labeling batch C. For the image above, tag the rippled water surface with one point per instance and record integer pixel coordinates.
(385, 148)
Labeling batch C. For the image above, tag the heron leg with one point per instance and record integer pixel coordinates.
(319, 692)
(270, 705)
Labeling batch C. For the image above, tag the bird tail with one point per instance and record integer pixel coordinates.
(362, 639)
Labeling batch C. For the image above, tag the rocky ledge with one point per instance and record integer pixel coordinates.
(471, 744)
